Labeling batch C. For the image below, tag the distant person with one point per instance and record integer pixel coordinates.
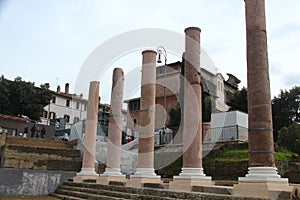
(25, 133)
(33, 131)
(43, 132)
(129, 138)
(65, 137)
(37, 132)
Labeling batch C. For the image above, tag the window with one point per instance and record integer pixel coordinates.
(76, 119)
(68, 103)
(52, 115)
(54, 99)
(84, 107)
(77, 105)
(45, 114)
(134, 106)
(67, 117)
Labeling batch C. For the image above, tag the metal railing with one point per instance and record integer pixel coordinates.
(227, 133)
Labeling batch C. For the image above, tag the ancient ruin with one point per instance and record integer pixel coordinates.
(88, 160)
(262, 177)
(145, 170)
(262, 180)
(112, 171)
(192, 171)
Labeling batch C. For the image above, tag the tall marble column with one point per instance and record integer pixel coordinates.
(262, 171)
(145, 169)
(192, 171)
(88, 160)
(112, 170)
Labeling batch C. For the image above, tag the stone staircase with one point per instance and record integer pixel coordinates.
(39, 154)
(79, 191)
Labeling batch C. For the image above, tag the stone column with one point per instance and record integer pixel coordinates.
(88, 160)
(145, 169)
(192, 171)
(114, 146)
(261, 147)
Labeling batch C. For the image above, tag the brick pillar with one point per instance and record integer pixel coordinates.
(262, 175)
(114, 146)
(192, 171)
(88, 160)
(145, 169)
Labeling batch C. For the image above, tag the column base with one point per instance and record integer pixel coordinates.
(263, 182)
(111, 174)
(190, 177)
(86, 174)
(142, 176)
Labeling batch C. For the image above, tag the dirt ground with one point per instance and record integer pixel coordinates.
(29, 198)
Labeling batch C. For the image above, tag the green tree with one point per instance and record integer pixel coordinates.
(175, 116)
(175, 112)
(286, 109)
(207, 108)
(4, 101)
(23, 98)
(289, 137)
(239, 100)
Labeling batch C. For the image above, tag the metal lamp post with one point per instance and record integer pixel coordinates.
(162, 52)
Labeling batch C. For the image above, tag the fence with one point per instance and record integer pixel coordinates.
(218, 134)
(228, 133)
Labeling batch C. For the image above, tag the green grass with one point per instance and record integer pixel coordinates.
(236, 155)
(284, 154)
(233, 155)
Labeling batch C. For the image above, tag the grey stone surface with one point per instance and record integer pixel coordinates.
(129, 156)
(96, 191)
(18, 182)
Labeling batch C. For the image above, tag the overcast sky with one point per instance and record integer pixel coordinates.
(49, 40)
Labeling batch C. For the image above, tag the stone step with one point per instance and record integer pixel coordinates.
(97, 192)
(145, 192)
(85, 195)
(152, 194)
(122, 195)
(101, 187)
(213, 189)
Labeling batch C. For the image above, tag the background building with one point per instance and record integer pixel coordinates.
(171, 76)
(71, 107)
(78, 129)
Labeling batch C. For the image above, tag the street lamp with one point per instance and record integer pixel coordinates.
(162, 52)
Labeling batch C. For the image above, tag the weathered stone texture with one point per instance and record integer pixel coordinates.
(261, 146)
(115, 120)
(91, 126)
(27, 153)
(30, 182)
(147, 111)
(192, 127)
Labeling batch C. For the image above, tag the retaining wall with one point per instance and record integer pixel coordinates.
(18, 182)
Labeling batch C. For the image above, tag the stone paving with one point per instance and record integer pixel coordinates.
(29, 198)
